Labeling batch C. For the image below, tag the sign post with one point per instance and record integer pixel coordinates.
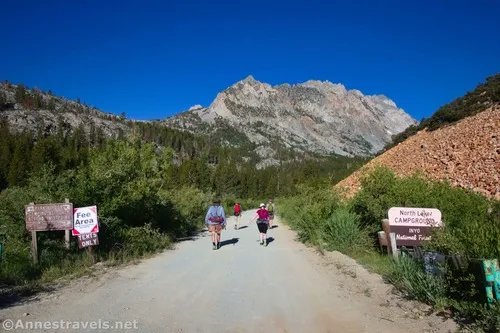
(66, 232)
(47, 217)
(412, 226)
(86, 228)
(87, 240)
(85, 221)
(34, 247)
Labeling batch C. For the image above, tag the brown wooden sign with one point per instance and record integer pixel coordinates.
(45, 217)
(86, 240)
(411, 236)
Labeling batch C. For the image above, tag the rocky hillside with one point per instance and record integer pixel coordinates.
(466, 154)
(28, 109)
(314, 116)
(485, 95)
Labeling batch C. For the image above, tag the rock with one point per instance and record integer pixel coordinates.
(313, 116)
(462, 151)
(72, 114)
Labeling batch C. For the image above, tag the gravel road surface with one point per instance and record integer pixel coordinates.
(242, 287)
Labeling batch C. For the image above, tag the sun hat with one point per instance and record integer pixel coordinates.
(262, 205)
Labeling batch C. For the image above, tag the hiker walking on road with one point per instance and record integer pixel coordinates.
(215, 220)
(270, 209)
(237, 215)
(262, 218)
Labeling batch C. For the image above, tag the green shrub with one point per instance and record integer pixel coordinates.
(472, 230)
(139, 210)
(477, 317)
(472, 222)
(139, 241)
(408, 276)
(342, 232)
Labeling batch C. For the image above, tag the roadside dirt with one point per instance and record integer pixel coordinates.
(243, 287)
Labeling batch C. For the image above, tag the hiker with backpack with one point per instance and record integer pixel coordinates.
(215, 220)
(262, 217)
(270, 209)
(237, 215)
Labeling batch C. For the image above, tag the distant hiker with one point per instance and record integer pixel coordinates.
(262, 218)
(270, 209)
(215, 220)
(237, 215)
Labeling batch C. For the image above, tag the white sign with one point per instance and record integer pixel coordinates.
(85, 221)
(415, 217)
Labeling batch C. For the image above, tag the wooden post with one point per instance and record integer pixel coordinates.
(382, 240)
(386, 228)
(394, 248)
(66, 232)
(34, 247)
(91, 255)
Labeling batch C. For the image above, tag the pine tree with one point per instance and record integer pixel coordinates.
(38, 155)
(68, 152)
(205, 173)
(37, 100)
(51, 104)
(3, 99)
(19, 167)
(92, 134)
(20, 94)
(5, 153)
(99, 136)
(60, 131)
(121, 135)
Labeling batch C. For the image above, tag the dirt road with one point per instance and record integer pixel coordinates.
(243, 287)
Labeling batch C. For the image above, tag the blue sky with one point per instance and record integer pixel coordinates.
(152, 59)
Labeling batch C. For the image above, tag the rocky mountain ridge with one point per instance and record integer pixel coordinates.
(314, 116)
(32, 109)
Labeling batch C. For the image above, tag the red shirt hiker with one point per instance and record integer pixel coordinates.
(237, 209)
(237, 214)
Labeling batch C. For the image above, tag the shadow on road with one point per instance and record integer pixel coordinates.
(229, 242)
(20, 296)
(243, 227)
(270, 240)
(273, 227)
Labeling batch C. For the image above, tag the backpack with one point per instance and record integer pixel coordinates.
(263, 220)
(270, 208)
(217, 218)
(237, 208)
